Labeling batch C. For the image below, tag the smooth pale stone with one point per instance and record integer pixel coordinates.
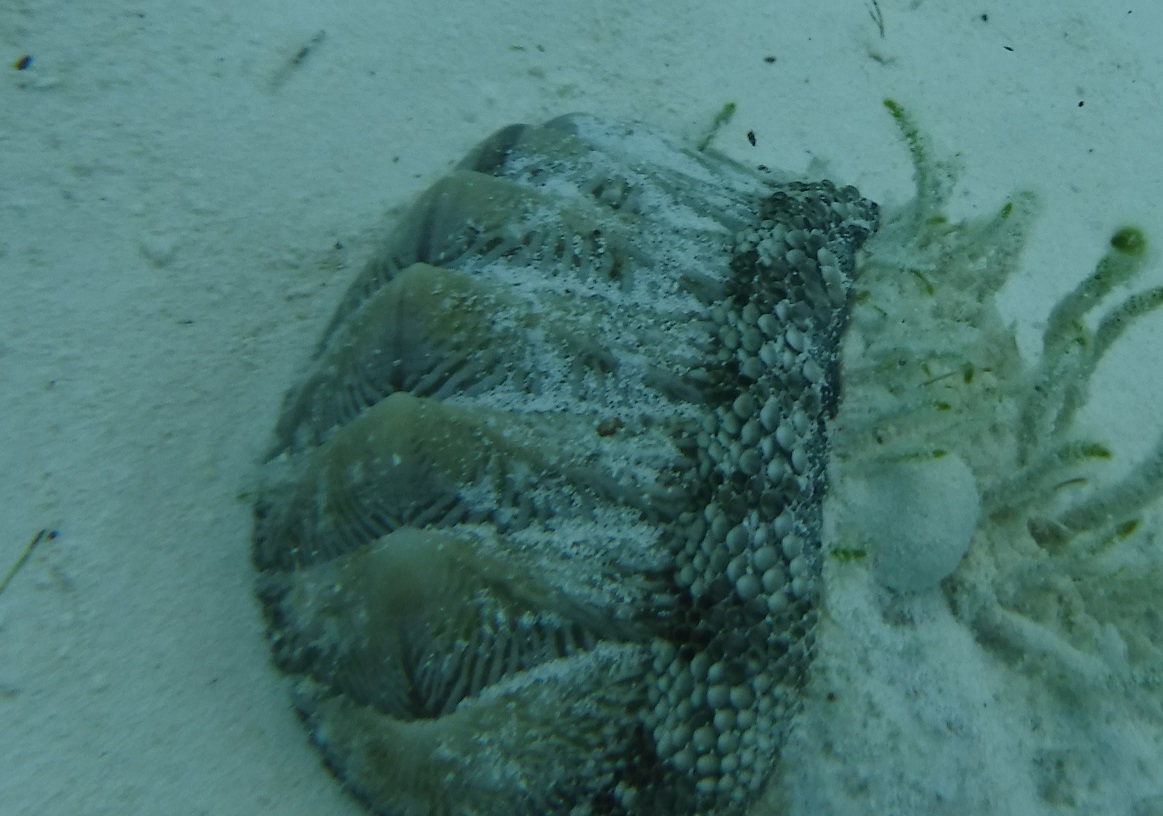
(918, 519)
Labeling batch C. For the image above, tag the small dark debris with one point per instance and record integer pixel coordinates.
(769, 59)
(23, 62)
(1007, 48)
(877, 17)
(751, 137)
(609, 427)
(41, 535)
(985, 18)
(1081, 103)
(305, 50)
(296, 60)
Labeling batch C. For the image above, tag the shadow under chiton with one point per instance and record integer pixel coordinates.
(544, 530)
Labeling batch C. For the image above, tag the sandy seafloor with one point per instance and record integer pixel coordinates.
(174, 190)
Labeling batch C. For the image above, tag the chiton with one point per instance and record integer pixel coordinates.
(549, 524)
(543, 529)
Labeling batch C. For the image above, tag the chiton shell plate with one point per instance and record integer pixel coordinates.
(542, 527)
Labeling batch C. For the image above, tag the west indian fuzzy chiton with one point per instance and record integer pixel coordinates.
(544, 526)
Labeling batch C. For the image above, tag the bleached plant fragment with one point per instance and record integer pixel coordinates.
(1065, 563)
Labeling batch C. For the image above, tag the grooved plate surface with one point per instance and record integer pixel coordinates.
(542, 531)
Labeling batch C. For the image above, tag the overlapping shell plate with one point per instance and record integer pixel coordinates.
(542, 533)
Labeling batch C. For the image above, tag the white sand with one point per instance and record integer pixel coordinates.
(170, 196)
